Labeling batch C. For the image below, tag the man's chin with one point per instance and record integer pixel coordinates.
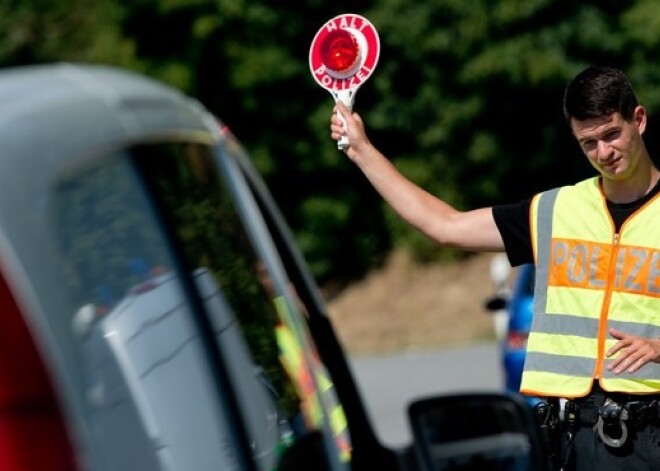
(615, 174)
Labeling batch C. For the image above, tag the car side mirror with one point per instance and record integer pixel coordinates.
(485, 431)
(496, 303)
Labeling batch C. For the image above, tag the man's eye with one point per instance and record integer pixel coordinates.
(589, 145)
(611, 136)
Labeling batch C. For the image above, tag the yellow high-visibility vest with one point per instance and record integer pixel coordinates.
(293, 360)
(315, 388)
(588, 279)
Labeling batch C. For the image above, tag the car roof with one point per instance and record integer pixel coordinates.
(56, 118)
(61, 111)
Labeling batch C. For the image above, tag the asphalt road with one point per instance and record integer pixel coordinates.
(389, 383)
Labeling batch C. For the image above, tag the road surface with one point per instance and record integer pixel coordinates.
(389, 383)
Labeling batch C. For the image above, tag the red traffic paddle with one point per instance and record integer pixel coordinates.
(343, 55)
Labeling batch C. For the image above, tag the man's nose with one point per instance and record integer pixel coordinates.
(604, 150)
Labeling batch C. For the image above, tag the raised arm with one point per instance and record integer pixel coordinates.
(473, 230)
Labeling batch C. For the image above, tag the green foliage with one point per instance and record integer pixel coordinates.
(466, 99)
(64, 30)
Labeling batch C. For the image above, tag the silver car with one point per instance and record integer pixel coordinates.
(155, 312)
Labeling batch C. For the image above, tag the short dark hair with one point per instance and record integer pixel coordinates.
(599, 91)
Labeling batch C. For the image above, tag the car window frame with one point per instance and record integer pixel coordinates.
(368, 451)
(263, 238)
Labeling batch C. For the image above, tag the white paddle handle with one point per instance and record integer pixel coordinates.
(342, 142)
(346, 97)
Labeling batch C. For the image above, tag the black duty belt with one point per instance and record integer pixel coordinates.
(612, 414)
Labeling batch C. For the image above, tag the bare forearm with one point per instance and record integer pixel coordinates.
(412, 203)
(470, 230)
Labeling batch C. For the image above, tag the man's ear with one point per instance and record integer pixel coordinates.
(639, 115)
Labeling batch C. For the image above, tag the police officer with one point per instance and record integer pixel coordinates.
(596, 247)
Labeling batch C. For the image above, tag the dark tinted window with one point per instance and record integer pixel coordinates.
(151, 243)
(147, 387)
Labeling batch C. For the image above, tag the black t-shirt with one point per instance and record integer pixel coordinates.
(513, 223)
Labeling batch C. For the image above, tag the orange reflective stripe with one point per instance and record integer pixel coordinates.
(584, 264)
(638, 271)
(579, 263)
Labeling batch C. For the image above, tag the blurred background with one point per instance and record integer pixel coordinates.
(466, 98)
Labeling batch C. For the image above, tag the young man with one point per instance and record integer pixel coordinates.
(595, 338)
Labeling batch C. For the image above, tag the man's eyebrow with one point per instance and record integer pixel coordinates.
(610, 129)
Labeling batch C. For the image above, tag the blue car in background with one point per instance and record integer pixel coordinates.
(517, 304)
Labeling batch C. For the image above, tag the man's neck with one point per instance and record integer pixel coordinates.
(631, 189)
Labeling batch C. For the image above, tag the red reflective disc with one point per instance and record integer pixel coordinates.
(339, 50)
(344, 53)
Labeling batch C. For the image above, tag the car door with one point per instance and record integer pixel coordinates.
(190, 333)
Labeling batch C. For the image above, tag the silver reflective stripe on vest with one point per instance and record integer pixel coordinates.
(564, 324)
(544, 238)
(648, 372)
(574, 366)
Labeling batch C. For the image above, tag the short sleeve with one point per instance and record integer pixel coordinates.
(513, 223)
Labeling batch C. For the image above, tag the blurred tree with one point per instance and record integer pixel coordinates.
(466, 98)
(64, 30)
